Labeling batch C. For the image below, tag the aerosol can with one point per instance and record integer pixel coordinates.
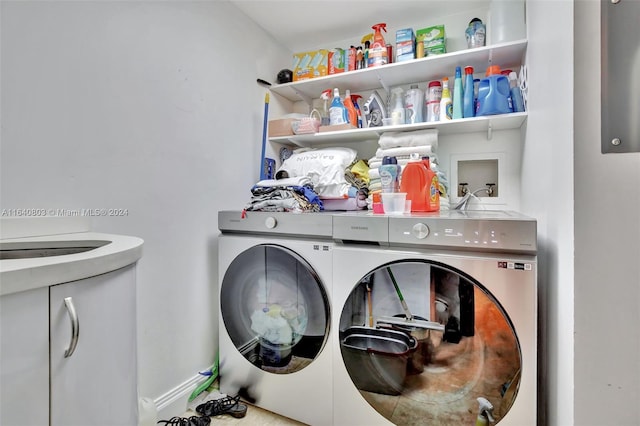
(374, 111)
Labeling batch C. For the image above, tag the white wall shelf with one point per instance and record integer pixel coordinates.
(506, 55)
(464, 125)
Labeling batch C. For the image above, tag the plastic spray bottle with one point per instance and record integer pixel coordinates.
(457, 95)
(414, 102)
(378, 49)
(398, 113)
(325, 96)
(355, 98)
(390, 174)
(468, 98)
(337, 111)
(351, 109)
(485, 414)
(446, 106)
(516, 94)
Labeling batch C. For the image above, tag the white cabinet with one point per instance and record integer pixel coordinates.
(507, 55)
(24, 358)
(96, 384)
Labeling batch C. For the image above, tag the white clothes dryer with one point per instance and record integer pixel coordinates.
(275, 272)
(469, 283)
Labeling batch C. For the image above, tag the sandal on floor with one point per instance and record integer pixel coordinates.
(226, 405)
(184, 421)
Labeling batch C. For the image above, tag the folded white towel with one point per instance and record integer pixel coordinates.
(374, 164)
(292, 181)
(404, 139)
(422, 150)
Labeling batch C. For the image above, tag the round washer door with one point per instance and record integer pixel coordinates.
(275, 308)
(458, 358)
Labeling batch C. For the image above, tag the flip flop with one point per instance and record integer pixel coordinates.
(187, 421)
(226, 405)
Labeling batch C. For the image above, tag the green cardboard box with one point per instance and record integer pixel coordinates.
(433, 40)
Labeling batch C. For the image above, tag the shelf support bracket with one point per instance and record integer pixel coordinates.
(489, 131)
(305, 98)
(382, 83)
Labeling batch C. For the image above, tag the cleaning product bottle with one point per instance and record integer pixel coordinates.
(434, 95)
(378, 49)
(516, 94)
(485, 412)
(494, 93)
(352, 115)
(446, 106)
(325, 96)
(354, 99)
(468, 101)
(397, 113)
(414, 102)
(414, 182)
(476, 85)
(390, 174)
(337, 111)
(433, 197)
(457, 95)
(366, 40)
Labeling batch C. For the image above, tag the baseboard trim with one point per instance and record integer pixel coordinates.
(175, 401)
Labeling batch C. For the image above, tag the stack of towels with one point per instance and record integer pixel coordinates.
(401, 145)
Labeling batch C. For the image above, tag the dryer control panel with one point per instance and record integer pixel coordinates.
(517, 235)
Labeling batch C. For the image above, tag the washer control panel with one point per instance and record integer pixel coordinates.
(473, 233)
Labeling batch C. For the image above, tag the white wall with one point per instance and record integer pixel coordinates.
(607, 251)
(151, 107)
(547, 195)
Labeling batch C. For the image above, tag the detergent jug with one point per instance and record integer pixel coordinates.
(494, 93)
(414, 181)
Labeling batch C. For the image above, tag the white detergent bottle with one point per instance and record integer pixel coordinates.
(414, 102)
(337, 111)
(446, 104)
(398, 113)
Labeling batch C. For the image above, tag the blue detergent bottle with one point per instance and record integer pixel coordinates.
(494, 93)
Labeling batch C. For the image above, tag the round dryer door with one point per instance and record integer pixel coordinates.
(457, 356)
(275, 309)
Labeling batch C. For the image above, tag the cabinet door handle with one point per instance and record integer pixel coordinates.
(75, 326)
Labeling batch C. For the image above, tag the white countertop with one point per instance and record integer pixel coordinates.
(26, 274)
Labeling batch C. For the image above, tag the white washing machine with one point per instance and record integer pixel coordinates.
(469, 282)
(275, 272)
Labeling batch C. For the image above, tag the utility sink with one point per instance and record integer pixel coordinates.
(31, 250)
(46, 251)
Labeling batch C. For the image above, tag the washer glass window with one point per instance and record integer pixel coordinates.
(275, 308)
(458, 356)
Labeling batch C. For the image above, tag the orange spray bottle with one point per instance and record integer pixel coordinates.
(355, 98)
(378, 49)
(352, 114)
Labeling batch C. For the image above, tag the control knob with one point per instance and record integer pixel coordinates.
(270, 222)
(420, 231)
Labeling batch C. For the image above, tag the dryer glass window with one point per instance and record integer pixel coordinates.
(275, 309)
(459, 352)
